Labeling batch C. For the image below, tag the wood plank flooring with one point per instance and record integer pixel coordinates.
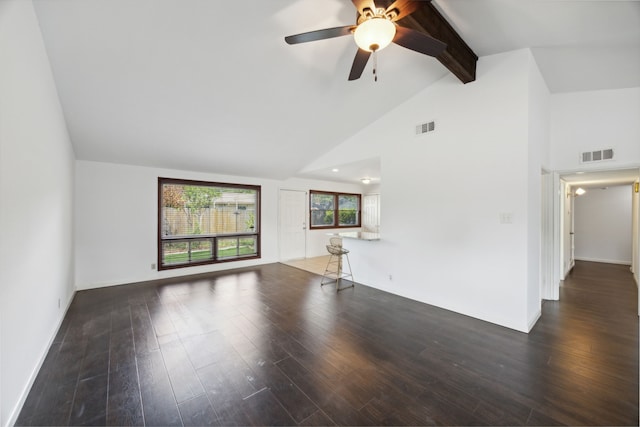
(269, 346)
(316, 265)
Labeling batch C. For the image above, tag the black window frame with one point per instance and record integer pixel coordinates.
(211, 238)
(336, 214)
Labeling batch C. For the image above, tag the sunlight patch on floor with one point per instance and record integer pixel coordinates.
(315, 265)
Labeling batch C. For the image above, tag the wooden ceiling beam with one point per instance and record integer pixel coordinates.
(459, 58)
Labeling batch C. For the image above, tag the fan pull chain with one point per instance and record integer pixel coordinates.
(375, 66)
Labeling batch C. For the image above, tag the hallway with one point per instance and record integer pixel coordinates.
(592, 334)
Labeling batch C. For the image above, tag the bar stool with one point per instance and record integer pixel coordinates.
(334, 271)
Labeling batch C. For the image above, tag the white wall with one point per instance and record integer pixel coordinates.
(539, 157)
(36, 211)
(603, 226)
(116, 222)
(585, 121)
(442, 241)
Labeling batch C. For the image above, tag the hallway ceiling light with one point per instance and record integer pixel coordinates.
(580, 191)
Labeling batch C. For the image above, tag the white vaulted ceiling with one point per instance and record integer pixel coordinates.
(207, 85)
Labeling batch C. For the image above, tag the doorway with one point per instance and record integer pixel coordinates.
(292, 224)
(566, 185)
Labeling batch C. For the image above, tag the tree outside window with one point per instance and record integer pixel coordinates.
(203, 222)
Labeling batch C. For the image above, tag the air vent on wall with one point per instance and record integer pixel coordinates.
(596, 156)
(425, 127)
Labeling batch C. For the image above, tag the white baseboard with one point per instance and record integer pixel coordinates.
(179, 273)
(533, 321)
(606, 261)
(34, 373)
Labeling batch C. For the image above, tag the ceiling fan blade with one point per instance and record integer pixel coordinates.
(419, 42)
(404, 8)
(327, 33)
(359, 62)
(363, 4)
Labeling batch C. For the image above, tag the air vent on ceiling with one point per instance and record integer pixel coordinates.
(425, 127)
(596, 156)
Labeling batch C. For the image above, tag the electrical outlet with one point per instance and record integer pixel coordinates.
(390, 277)
(153, 266)
(58, 302)
(506, 218)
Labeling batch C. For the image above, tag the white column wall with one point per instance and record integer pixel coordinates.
(538, 158)
(36, 206)
(445, 192)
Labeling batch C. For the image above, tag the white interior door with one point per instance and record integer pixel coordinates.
(371, 213)
(566, 229)
(572, 232)
(293, 224)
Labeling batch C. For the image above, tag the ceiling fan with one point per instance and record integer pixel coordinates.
(375, 29)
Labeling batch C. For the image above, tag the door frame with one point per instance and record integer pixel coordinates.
(547, 236)
(280, 219)
(559, 199)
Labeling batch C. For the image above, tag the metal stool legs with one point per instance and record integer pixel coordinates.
(335, 271)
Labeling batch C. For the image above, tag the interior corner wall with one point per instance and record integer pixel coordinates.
(603, 225)
(594, 120)
(36, 211)
(454, 229)
(538, 158)
(116, 221)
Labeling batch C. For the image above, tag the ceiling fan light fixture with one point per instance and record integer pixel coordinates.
(374, 34)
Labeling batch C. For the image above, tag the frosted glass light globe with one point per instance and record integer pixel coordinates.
(374, 34)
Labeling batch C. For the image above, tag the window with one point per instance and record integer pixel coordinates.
(206, 222)
(334, 210)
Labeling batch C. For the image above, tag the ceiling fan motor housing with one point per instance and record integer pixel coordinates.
(375, 29)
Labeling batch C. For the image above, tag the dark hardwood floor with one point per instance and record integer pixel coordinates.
(269, 346)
